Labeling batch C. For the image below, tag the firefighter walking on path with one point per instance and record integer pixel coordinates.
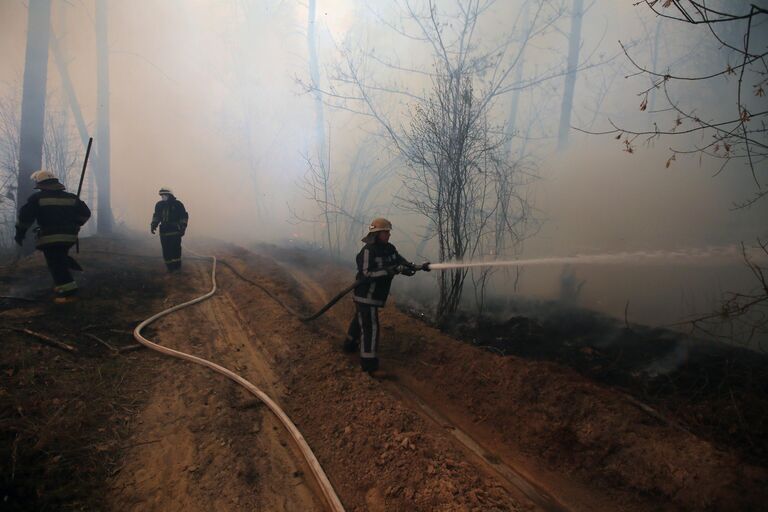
(59, 216)
(377, 263)
(172, 218)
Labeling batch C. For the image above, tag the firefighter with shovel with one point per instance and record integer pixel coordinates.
(59, 216)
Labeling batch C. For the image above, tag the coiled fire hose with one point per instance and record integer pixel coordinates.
(329, 494)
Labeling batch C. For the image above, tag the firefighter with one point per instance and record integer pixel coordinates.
(59, 216)
(172, 218)
(377, 263)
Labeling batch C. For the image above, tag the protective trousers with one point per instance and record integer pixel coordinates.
(171, 250)
(57, 259)
(364, 329)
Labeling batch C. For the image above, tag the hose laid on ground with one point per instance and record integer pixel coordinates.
(325, 485)
(263, 288)
(286, 307)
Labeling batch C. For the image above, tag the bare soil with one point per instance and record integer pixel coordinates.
(590, 445)
(453, 427)
(718, 391)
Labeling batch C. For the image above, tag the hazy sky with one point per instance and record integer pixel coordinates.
(205, 100)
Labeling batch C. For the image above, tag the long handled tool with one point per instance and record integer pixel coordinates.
(80, 186)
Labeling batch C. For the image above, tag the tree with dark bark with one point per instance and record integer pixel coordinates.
(104, 220)
(574, 47)
(32, 131)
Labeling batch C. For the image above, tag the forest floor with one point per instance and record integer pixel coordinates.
(453, 427)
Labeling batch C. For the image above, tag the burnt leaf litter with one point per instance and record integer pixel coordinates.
(717, 391)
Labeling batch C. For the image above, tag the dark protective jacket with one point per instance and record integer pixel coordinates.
(59, 216)
(171, 216)
(375, 264)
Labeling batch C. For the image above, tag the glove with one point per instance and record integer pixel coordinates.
(409, 272)
(152, 229)
(19, 240)
(425, 267)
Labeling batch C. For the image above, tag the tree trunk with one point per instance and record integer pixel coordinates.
(32, 130)
(574, 45)
(515, 101)
(104, 209)
(314, 76)
(69, 90)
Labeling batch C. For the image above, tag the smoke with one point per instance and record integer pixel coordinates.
(709, 256)
(204, 100)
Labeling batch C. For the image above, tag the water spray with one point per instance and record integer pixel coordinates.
(709, 256)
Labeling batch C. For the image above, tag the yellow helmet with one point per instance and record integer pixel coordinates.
(380, 224)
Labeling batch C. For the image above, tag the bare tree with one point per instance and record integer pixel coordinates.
(458, 176)
(731, 132)
(344, 207)
(61, 154)
(33, 98)
(461, 181)
(10, 124)
(574, 46)
(742, 317)
(321, 170)
(103, 143)
(60, 148)
(736, 134)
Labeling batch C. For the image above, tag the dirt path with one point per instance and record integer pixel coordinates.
(455, 429)
(379, 453)
(201, 443)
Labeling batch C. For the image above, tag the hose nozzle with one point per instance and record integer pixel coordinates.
(425, 267)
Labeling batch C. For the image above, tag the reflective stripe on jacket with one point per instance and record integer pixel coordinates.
(58, 214)
(171, 216)
(372, 263)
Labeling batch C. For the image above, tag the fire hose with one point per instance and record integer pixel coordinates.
(329, 494)
(327, 489)
(336, 298)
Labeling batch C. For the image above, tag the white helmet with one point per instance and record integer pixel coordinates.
(46, 180)
(40, 176)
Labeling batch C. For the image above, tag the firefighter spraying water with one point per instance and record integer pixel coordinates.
(377, 264)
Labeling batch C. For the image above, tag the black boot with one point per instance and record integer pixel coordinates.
(369, 364)
(350, 346)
